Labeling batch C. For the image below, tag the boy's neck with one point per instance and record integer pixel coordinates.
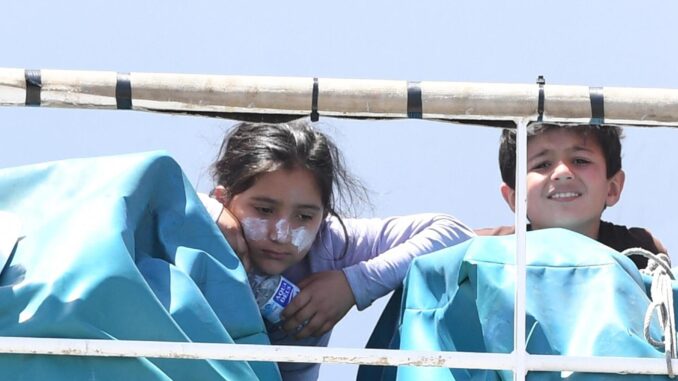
(590, 230)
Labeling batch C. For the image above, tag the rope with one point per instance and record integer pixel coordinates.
(661, 293)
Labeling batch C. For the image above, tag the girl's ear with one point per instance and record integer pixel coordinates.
(509, 195)
(221, 194)
(615, 185)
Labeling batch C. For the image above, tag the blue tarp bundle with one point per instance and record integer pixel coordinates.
(121, 248)
(583, 299)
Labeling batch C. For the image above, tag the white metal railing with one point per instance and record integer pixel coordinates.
(227, 96)
(519, 346)
(237, 97)
(278, 353)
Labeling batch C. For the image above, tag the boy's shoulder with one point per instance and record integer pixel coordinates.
(499, 230)
(620, 238)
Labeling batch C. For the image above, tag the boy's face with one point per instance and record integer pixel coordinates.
(567, 185)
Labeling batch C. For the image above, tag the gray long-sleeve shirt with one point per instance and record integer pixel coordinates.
(375, 262)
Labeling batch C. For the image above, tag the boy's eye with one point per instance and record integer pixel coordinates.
(541, 165)
(581, 161)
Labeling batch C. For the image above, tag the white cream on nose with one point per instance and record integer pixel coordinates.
(256, 229)
(282, 231)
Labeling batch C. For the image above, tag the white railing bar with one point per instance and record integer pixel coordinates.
(279, 353)
(598, 364)
(519, 351)
(227, 95)
(250, 352)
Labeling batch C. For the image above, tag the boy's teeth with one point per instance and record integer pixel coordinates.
(564, 195)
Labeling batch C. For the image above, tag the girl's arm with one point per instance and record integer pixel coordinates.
(378, 255)
(229, 226)
(381, 250)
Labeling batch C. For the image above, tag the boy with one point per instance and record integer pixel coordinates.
(573, 174)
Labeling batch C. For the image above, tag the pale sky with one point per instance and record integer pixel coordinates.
(410, 166)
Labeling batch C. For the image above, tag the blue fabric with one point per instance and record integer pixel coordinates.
(583, 299)
(121, 248)
(384, 336)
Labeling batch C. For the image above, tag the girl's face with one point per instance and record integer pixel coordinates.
(280, 216)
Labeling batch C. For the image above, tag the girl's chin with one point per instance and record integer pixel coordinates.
(268, 268)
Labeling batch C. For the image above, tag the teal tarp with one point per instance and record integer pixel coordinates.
(121, 248)
(583, 299)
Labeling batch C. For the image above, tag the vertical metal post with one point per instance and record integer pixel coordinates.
(519, 351)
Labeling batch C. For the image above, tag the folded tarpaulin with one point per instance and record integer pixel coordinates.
(583, 299)
(121, 248)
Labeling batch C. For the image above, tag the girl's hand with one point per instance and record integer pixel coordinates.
(231, 229)
(324, 299)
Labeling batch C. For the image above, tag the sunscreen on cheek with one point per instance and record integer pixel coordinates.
(302, 239)
(254, 228)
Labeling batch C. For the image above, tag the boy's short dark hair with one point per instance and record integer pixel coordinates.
(608, 137)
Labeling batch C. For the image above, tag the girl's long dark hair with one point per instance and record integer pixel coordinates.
(252, 149)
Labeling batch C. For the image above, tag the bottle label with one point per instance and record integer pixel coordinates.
(282, 296)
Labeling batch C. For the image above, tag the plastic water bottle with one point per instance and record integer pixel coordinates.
(273, 293)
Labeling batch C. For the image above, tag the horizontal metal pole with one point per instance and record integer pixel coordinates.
(243, 97)
(249, 352)
(598, 364)
(278, 353)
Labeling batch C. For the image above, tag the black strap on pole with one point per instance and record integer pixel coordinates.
(314, 101)
(123, 92)
(540, 103)
(414, 102)
(597, 105)
(33, 87)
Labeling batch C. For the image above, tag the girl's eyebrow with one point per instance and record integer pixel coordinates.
(276, 202)
(312, 207)
(265, 199)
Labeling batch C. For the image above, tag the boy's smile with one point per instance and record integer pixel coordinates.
(564, 196)
(567, 184)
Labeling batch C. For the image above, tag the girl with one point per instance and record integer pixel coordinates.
(278, 186)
